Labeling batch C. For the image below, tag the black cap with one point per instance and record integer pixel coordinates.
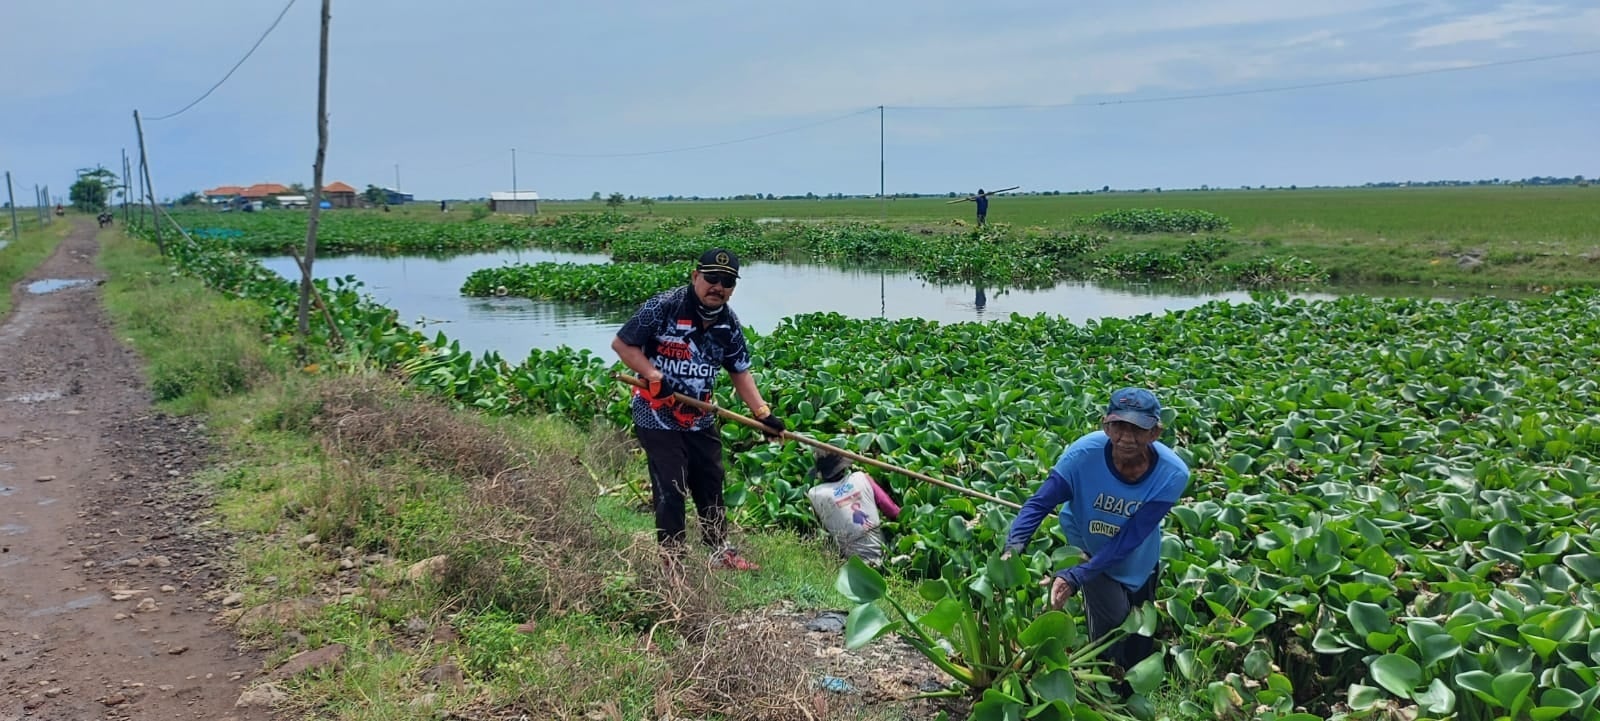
(828, 465)
(719, 260)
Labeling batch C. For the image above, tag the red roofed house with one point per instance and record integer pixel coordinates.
(339, 195)
(262, 191)
(222, 193)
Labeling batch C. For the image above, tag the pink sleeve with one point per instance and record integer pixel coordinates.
(886, 506)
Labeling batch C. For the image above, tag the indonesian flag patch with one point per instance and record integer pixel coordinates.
(685, 325)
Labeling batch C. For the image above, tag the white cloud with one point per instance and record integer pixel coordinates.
(1500, 24)
(1475, 144)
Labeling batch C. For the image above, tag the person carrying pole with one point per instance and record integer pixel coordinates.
(1117, 484)
(676, 342)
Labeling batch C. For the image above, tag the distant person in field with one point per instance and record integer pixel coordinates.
(982, 200)
(1117, 484)
(441, 207)
(677, 342)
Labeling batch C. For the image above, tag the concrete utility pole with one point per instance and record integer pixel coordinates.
(883, 200)
(149, 187)
(513, 173)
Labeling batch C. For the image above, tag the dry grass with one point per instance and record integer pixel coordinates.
(525, 539)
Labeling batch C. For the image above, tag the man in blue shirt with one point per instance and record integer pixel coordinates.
(1116, 484)
(982, 199)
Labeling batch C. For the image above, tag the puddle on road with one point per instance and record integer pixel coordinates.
(47, 501)
(6, 490)
(13, 561)
(76, 604)
(12, 529)
(36, 397)
(50, 285)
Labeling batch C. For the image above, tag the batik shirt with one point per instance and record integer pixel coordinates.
(674, 341)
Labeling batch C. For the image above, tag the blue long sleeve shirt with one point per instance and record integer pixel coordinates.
(1115, 520)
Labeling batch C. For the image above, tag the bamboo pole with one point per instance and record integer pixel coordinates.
(793, 436)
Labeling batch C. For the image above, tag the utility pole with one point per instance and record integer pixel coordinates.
(16, 231)
(396, 177)
(513, 173)
(38, 207)
(883, 200)
(149, 187)
(125, 188)
(306, 287)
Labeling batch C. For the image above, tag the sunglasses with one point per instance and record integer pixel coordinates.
(723, 279)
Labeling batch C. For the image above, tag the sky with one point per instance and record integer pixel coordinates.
(438, 98)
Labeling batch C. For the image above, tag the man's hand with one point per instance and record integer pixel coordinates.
(1060, 590)
(662, 388)
(775, 425)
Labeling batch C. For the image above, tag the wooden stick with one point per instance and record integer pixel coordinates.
(971, 198)
(791, 435)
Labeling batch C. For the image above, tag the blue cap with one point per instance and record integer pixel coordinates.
(1135, 405)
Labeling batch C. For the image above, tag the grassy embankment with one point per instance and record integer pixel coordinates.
(19, 256)
(463, 562)
(1524, 236)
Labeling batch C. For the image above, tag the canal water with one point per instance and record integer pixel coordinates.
(426, 293)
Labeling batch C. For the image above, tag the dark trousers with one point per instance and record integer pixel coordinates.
(685, 464)
(1107, 603)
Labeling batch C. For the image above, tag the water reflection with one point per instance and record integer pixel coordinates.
(426, 293)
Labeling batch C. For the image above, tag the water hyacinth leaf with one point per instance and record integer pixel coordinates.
(1586, 565)
(1257, 664)
(1146, 676)
(1512, 689)
(865, 624)
(996, 706)
(1398, 674)
(944, 615)
(1508, 538)
(1481, 684)
(1008, 573)
(859, 582)
(1054, 624)
(1258, 618)
(1363, 698)
(1437, 648)
(1055, 685)
(1368, 618)
(1436, 699)
(1185, 661)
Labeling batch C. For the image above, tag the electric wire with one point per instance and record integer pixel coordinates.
(1255, 91)
(235, 67)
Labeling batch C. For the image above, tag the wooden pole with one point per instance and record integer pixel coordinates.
(306, 288)
(791, 435)
(149, 187)
(16, 230)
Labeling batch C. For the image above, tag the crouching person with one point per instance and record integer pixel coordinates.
(850, 506)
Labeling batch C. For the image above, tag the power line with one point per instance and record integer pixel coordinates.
(685, 149)
(224, 79)
(1257, 91)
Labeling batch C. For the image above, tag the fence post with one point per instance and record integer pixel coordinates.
(16, 231)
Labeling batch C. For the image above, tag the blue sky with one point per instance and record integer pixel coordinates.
(446, 90)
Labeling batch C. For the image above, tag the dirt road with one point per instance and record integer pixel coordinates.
(109, 561)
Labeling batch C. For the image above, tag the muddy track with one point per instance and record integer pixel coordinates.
(110, 560)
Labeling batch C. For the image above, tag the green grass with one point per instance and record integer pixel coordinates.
(286, 477)
(19, 256)
(214, 351)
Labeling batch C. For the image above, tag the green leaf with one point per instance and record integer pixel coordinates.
(944, 616)
(1054, 624)
(1397, 674)
(996, 706)
(1512, 690)
(1055, 686)
(1362, 697)
(859, 582)
(1586, 565)
(1257, 664)
(1437, 699)
(1146, 676)
(1438, 647)
(865, 624)
(1008, 573)
(1368, 618)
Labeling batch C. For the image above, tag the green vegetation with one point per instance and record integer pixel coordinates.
(19, 256)
(1157, 220)
(465, 562)
(1393, 500)
(609, 283)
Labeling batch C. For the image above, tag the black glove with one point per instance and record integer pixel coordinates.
(775, 423)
